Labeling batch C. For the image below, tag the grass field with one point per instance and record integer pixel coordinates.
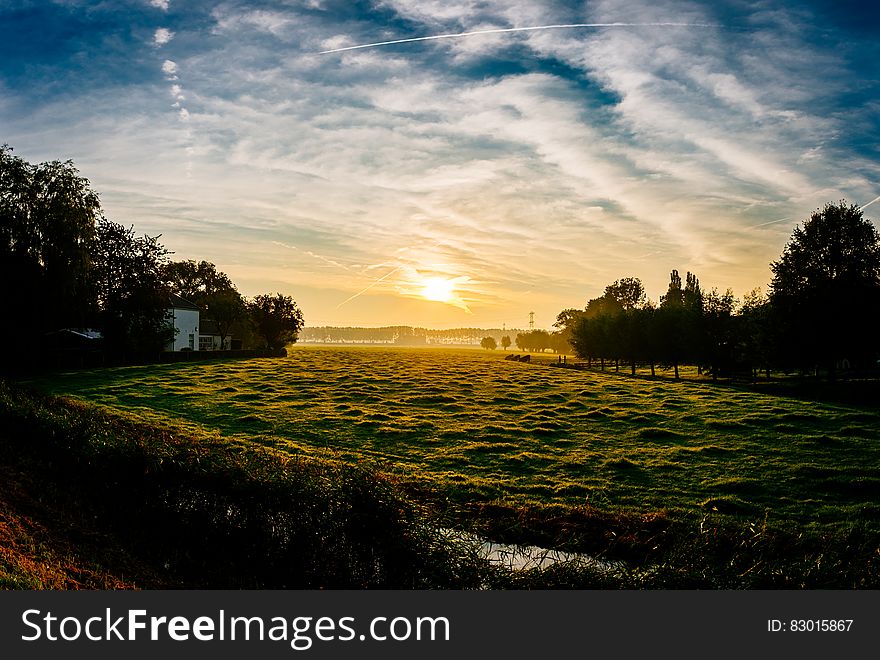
(476, 428)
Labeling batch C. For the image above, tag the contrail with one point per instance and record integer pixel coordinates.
(371, 285)
(876, 199)
(566, 26)
(772, 222)
(316, 256)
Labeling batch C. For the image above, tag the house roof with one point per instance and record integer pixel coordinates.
(81, 333)
(176, 302)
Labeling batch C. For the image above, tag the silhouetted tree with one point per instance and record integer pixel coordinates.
(755, 333)
(670, 324)
(196, 281)
(131, 293)
(533, 340)
(565, 323)
(277, 319)
(717, 326)
(647, 336)
(825, 293)
(505, 342)
(628, 292)
(47, 222)
(674, 294)
(489, 343)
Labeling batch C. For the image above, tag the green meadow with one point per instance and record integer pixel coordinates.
(469, 427)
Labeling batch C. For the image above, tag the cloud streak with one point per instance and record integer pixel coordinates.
(533, 28)
(550, 160)
(876, 199)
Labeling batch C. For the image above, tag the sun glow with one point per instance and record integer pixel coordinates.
(438, 289)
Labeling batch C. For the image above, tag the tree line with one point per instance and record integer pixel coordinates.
(821, 313)
(389, 334)
(64, 265)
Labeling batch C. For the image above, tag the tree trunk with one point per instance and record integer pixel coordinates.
(652, 370)
(676, 371)
(632, 368)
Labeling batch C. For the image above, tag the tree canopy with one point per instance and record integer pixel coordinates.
(277, 319)
(132, 297)
(48, 214)
(825, 293)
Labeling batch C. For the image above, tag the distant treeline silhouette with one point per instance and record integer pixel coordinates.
(400, 334)
(821, 315)
(63, 266)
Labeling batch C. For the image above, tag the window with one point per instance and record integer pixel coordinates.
(206, 343)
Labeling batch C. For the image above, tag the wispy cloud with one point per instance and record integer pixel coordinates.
(160, 4)
(531, 28)
(518, 158)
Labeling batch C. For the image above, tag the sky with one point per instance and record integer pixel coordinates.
(461, 181)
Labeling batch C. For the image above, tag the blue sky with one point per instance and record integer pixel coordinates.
(526, 170)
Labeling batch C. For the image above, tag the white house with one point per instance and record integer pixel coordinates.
(184, 318)
(209, 337)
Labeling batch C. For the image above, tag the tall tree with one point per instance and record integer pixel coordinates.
(131, 292)
(674, 294)
(825, 293)
(755, 333)
(670, 324)
(47, 222)
(717, 352)
(196, 281)
(628, 292)
(277, 319)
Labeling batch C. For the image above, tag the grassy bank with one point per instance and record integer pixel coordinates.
(119, 503)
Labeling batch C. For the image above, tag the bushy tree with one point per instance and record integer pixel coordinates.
(131, 293)
(47, 223)
(196, 281)
(505, 342)
(277, 319)
(825, 293)
(755, 334)
(489, 343)
(533, 340)
(718, 341)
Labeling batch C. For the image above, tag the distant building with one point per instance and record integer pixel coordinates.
(184, 318)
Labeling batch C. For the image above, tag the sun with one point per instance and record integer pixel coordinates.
(438, 289)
